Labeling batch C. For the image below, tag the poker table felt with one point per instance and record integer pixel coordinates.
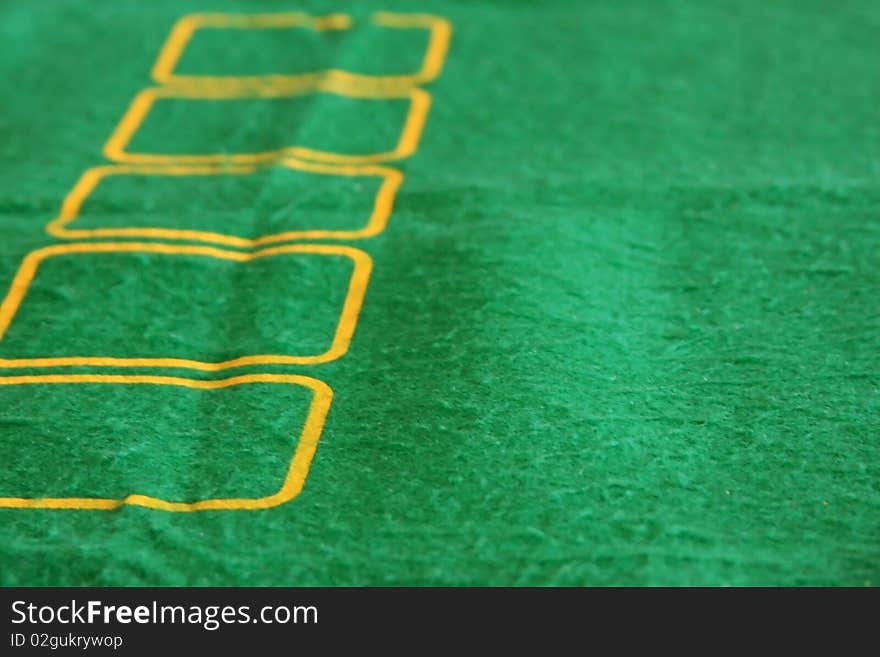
(504, 293)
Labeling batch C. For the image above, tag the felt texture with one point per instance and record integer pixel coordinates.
(102, 440)
(152, 305)
(622, 327)
(321, 121)
(283, 51)
(262, 202)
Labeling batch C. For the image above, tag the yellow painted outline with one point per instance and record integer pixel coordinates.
(439, 34)
(351, 307)
(290, 488)
(70, 208)
(414, 124)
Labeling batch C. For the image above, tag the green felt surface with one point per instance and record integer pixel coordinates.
(147, 305)
(267, 201)
(84, 445)
(622, 327)
(320, 121)
(282, 51)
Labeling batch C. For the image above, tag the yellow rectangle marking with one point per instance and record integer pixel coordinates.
(439, 34)
(116, 148)
(290, 488)
(91, 179)
(341, 339)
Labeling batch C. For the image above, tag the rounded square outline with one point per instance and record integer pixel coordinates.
(132, 120)
(439, 35)
(70, 208)
(294, 480)
(351, 307)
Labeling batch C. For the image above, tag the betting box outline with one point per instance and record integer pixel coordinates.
(351, 307)
(295, 477)
(90, 180)
(181, 34)
(407, 141)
